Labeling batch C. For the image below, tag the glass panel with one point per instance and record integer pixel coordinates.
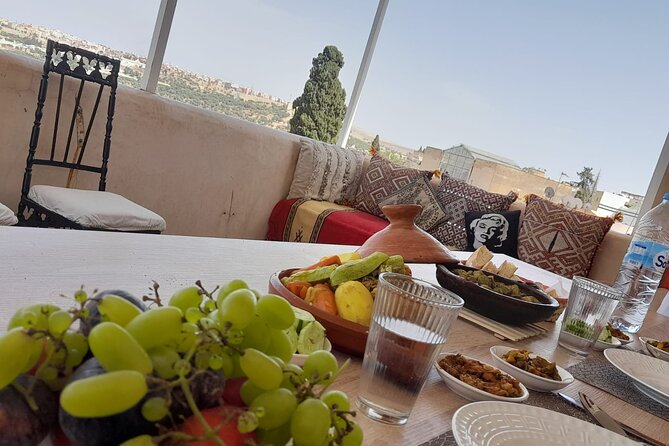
(251, 59)
(121, 29)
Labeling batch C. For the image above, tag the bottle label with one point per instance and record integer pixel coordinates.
(645, 254)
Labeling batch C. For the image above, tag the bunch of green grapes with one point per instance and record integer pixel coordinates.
(151, 360)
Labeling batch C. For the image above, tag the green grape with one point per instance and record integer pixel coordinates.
(238, 308)
(261, 369)
(13, 347)
(74, 358)
(48, 374)
(193, 315)
(209, 323)
(276, 311)
(103, 395)
(235, 337)
(185, 298)
(202, 360)
(292, 373)
(155, 408)
(182, 367)
(249, 392)
(142, 440)
(116, 349)
(35, 353)
(310, 422)
(247, 422)
(209, 305)
(188, 337)
(75, 340)
(276, 407)
(163, 360)
(256, 335)
(236, 365)
(216, 362)
(279, 361)
(228, 288)
(58, 322)
(279, 345)
(336, 399)
(353, 438)
(158, 326)
(318, 365)
(80, 296)
(118, 310)
(33, 316)
(276, 437)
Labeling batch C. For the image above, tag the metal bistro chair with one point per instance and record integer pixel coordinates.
(66, 207)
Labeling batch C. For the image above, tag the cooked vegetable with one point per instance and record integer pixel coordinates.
(327, 261)
(488, 281)
(605, 335)
(317, 275)
(299, 289)
(662, 345)
(482, 376)
(579, 328)
(535, 365)
(322, 297)
(354, 302)
(355, 269)
(616, 333)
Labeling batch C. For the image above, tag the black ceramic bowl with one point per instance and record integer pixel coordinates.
(499, 307)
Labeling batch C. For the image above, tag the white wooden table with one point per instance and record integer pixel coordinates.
(38, 265)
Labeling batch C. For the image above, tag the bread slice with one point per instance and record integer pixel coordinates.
(507, 269)
(479, 258)
(490, 267)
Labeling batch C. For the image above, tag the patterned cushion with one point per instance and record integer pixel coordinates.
(558, 239)
(458, 197)
(381, 179)
(419, 191)
(326, 172)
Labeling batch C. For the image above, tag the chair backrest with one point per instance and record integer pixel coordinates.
(88, 67)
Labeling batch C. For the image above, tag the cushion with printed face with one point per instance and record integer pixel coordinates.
(558, 239)
(421, 192)
(458, 198)
(497, 231)
(381, 179)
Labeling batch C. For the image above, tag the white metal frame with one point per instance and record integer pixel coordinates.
(362, 73)
(161, 33)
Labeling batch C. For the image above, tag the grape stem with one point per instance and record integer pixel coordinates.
(156, 299)
(209, 432)
(203, 291)
(27, 395)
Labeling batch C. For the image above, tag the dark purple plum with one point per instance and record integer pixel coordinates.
(19, 424)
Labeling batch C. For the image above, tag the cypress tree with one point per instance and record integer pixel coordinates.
(319, 111)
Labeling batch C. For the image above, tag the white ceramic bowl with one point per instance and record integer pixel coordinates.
(601, 345)
(299, 359)
(530, 380)
(652, 350)
(470, 392)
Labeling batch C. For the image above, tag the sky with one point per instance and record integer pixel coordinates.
(555, 85)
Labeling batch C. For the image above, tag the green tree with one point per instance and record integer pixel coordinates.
(586, 185)
(376, 145)
(320, 110)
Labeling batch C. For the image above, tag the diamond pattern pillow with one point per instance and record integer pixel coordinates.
(381, 179)
(458, 197)
(419, 191)
(560, 240)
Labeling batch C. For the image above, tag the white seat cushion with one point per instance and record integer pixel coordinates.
(95, 209)
(7, 217)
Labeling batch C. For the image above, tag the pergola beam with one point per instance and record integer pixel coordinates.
(362, 73)
(161, 33)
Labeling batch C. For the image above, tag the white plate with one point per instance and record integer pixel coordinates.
(652, 350)
(649, 374)
(495, 423)
(601, 345)
(470, 392)
(530, 380)
(299, 359)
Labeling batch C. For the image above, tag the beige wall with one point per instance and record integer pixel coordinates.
(501, 179)
(207, 174)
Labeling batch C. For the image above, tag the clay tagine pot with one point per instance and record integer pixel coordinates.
(403, 237)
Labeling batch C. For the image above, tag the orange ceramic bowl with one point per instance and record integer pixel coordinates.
(345, 336)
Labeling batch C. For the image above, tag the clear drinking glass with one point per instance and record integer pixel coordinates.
(589, 307)
(410, 322)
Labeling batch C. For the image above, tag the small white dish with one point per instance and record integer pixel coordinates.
(299, 359)
(652, 350)
(626, 341)
(649, 373)
(470, 392)
(530, 380)
(601, 345)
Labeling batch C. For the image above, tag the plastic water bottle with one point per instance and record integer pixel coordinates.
(642, 268)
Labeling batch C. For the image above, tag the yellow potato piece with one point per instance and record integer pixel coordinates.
(343, 258)
(354, 302)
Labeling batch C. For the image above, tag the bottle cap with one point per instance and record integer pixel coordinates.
(666, 196)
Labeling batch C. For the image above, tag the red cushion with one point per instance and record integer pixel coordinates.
(339, 227)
